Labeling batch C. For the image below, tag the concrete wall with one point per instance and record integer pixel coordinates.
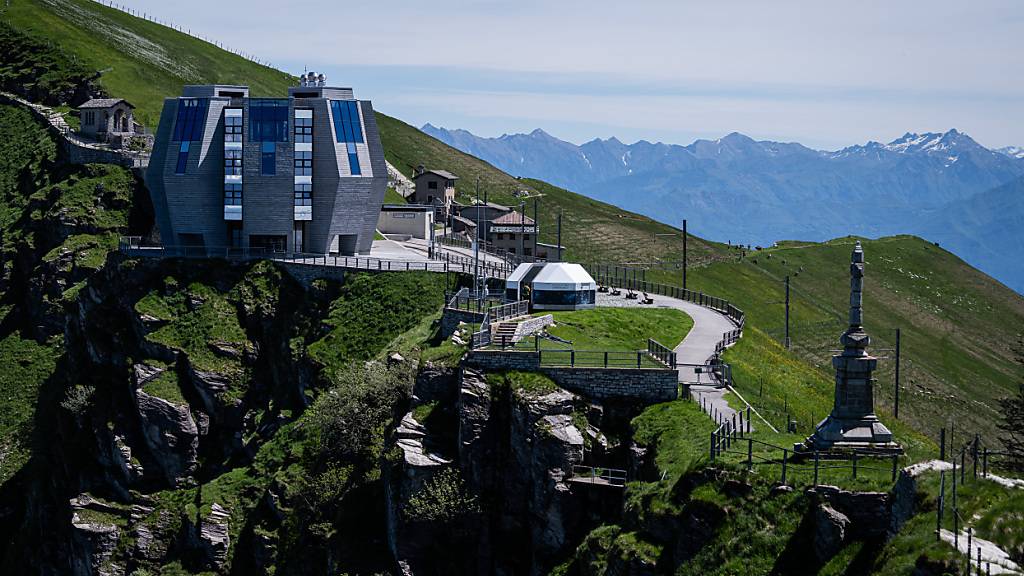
(398, 222)
(650, 385)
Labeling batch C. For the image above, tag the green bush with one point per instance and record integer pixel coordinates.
(442, 499)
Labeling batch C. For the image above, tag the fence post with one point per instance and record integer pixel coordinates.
(954, 487)
(942, 443)
(941, 506)
(734, 425)
(970, 537)
(750, 453)
(785, 460)
(712, 454)
(816, 461)
(572, 358)
(741, 423)
(605, 358)
(638, 358)
(748, 414)
(974, 456)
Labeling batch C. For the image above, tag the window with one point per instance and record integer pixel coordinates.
(268, 159)
(268, 120)
(182, 157)
(303, 127)
(90, 118)
(348, 129)
(303, 195)
(232, 128)
(432, 185)
(232, 194)
(191, 119)
(303, 163)
(232, 162)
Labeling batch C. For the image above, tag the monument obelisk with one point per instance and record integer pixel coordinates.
(853, 423)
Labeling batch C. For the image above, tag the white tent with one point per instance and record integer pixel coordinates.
(563, 286)
(562, 276)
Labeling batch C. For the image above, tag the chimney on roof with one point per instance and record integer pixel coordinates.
(420, 169)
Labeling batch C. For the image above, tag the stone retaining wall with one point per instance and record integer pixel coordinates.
(532, 326)
(451, 317)
(650, 385)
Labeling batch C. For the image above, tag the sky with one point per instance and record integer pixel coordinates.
(826, 74)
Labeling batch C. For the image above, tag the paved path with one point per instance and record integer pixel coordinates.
(696, 348)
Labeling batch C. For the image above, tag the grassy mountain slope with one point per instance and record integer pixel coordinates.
(138, 60)
(958, 323)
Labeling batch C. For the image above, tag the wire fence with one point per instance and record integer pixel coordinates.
(184, 30)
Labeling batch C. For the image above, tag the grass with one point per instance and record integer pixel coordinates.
(958, 326)
(678, 432)
(26, 365)
(393, 197)
(144, 72)
(424, 343)
(165, 386)
(392, 303)
(532, 383)
(621, 328)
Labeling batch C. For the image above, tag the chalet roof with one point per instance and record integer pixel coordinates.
(442, 173)
(104, 103)
(513, 218)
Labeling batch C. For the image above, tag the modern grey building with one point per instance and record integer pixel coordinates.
(304, 173)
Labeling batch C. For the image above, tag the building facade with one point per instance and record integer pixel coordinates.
(304, 173)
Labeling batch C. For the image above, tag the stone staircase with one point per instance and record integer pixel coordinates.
(504, 331)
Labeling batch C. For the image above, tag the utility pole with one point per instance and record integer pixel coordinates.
(684, 253)
(476, 245)
(536, 229)
(522, 231)
(787, 313)
(896, 395)
(559, 234)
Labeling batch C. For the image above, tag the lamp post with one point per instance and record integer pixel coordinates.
(684, 254)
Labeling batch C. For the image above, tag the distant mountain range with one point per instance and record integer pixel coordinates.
(945, 187)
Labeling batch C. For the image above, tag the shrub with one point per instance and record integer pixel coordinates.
(442, 499)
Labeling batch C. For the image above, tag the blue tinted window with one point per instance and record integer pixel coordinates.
(346, 121)
(353, 160)
(191, 119)
(182, 158)
(268, 120)
(268, 159)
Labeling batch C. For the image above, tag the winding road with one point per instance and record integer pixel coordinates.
(696, 348)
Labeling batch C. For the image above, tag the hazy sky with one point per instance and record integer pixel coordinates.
(827, 74)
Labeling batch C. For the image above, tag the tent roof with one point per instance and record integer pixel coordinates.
(562, 273)
(520, 271)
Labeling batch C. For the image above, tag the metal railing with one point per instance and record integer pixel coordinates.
(598, 475)
(661, 353)
(132, 246)
(730, 438)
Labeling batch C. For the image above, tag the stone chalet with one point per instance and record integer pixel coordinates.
(107, 119)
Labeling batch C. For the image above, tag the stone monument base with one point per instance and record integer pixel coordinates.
(842, 434)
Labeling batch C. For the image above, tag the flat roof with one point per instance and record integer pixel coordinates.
(406, 208)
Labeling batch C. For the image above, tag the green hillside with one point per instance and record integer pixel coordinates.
(138, 60)
(958, 324)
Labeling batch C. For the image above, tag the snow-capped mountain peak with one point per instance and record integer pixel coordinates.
(1012, 151)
